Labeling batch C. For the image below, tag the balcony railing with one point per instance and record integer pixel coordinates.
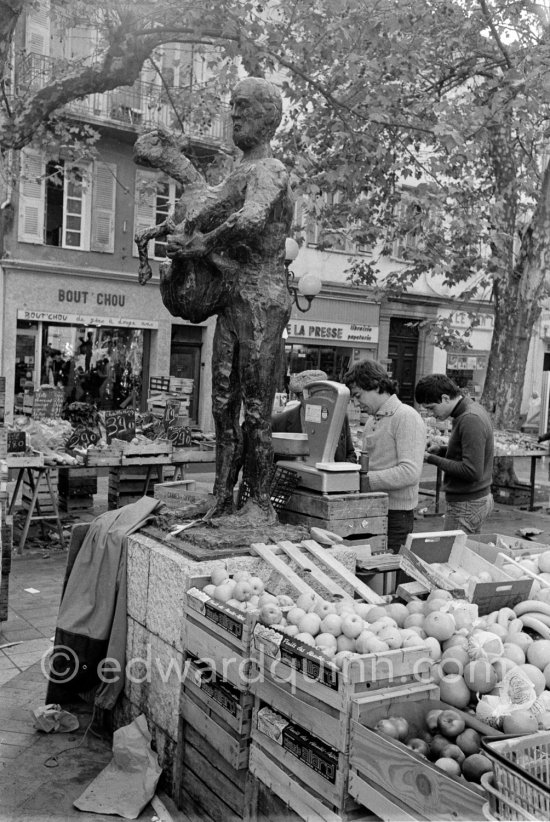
(141, 105)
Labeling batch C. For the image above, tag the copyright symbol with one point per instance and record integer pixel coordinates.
(60, 665)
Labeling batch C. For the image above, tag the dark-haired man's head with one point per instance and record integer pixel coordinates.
(438, 394)
(369, 384)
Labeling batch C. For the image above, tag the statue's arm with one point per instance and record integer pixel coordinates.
(264, 189)
(163, 150)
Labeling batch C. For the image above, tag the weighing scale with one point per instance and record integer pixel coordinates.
(326, 404)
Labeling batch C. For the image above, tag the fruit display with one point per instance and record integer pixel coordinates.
(339, 630)
(445, 740)
(507, 443)
(510, 443)
(537, 567)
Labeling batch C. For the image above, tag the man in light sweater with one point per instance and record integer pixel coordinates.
(467, 460)
(395, 440)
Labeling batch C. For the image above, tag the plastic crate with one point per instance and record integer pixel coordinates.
(499, 807)
(159, 383)
(283, 483)
(521, 774)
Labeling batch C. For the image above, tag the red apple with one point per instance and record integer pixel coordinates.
(437, 744)
(402, 726)
(453, 752)
(451, 766)
(419, 746)
(450, 723)
(469, 741)
(431, 719)
(387, 727)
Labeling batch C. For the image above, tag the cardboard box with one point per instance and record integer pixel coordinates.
(421, 550)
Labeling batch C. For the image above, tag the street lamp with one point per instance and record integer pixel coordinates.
(308, 285)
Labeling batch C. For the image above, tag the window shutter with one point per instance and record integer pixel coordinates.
(144, 202)
(103, 208)
(31, 198)
(37, 28)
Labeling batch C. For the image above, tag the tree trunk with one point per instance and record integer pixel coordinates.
(518, 288)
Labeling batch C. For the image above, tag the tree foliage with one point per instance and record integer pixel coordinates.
(428, 117)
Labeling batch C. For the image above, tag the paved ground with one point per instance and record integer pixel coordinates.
(30, 791)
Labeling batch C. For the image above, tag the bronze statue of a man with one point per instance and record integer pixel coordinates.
(233, 237)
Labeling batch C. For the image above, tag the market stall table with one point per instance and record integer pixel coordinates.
(35, 469)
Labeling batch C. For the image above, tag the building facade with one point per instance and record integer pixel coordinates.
(73, 313)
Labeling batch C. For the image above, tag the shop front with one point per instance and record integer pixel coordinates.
(98, 338)
(93, 359)
(336, 333)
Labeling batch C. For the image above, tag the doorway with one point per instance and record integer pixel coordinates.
(185, 361)
(403, 353)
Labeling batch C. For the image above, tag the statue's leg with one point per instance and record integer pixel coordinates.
(226, 406)
(260, 350)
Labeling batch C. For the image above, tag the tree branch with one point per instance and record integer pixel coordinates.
(494, 32)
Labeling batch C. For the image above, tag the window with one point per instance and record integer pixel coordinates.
(68, 206)
(306, 214)
(409, 216)
(155, 198)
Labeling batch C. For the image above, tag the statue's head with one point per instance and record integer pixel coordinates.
(256, 111)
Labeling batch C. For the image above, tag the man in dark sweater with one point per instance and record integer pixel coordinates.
(467, 460)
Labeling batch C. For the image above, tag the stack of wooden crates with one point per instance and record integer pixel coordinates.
(267, 736)
(76, 489)
(165, 389)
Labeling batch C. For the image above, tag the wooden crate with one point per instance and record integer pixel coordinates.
(450, 547)
(83, 502)
(343, 514)
(75, 482)
(110, 456)
(220, 712)
(221, 634)
(396, 783)
(490, 545)
(308, 774)
(208, 785)
(517, 495)
(308, 688)
(144, 449)
(28, 460)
